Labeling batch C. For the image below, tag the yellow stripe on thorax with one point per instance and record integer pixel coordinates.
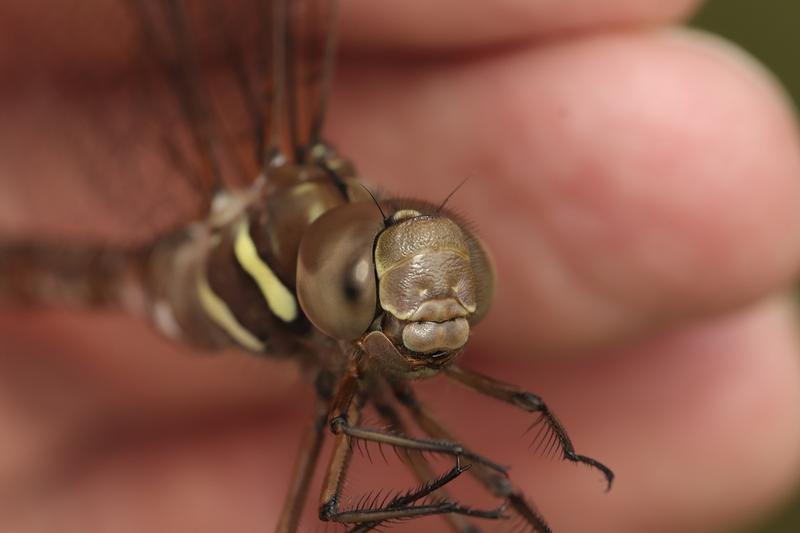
(279, 299)
(220, 313)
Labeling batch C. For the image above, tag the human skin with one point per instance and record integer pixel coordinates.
(639, 187)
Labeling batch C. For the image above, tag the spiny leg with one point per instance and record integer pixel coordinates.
(420, 466)
(371, 514)
(428, 488)
(346, 401)
(499, 486)
(418, 511)
(532, 403)
(398, 508)
(306, 462)
(445, 447)
(337, 468)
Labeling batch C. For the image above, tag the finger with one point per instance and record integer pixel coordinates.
(418, 25)
(622, 182)
(701, 426)
(68, 39)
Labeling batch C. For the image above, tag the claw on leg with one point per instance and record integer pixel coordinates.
(554, 432)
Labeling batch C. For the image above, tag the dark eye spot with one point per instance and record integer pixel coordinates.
(356, 276)
(350, 289)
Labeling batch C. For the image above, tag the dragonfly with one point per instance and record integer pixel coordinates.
(291, 255)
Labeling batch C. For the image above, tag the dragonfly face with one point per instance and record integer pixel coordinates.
(427, 281)
(300, 260)
(409, 281)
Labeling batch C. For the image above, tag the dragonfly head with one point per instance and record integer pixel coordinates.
(432, 277)
(418, 276)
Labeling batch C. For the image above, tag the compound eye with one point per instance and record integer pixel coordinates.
(336, 270)
(484, 272)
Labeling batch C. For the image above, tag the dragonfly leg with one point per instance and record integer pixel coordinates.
(345, 412)
(345, 415)
(444, 447)
(499, 486)
(421, 467)
(305, 465)
(554, 434)
(371, 515)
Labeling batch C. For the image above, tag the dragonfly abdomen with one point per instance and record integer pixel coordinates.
(56, 274)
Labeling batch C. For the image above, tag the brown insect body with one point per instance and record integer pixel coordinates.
(415, 277)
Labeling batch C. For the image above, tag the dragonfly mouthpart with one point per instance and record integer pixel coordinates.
(428, 337)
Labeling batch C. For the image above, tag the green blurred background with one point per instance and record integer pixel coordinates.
(769, 30)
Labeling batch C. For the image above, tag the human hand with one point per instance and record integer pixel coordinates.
(638, 187)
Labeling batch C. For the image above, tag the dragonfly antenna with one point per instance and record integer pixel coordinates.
(375, 200)
(447, 198)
